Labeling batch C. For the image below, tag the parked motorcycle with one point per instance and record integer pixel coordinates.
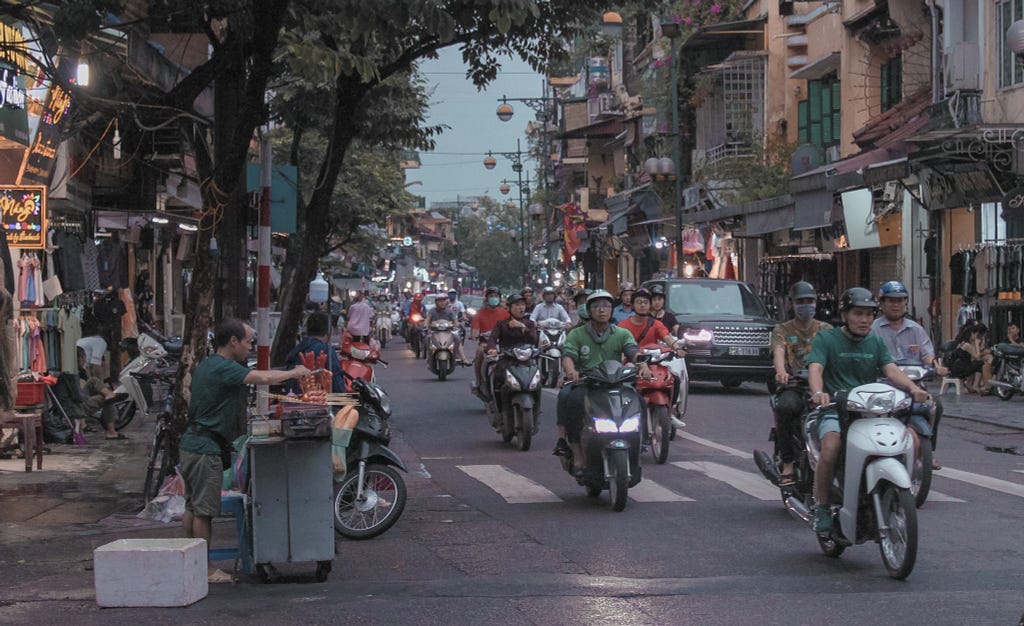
(657, 392)
(551, 340)
(441, 348)
(610, 438)
(372, 496)
(515, 401)
(152, 354)
(1008, 379)
(872, 483)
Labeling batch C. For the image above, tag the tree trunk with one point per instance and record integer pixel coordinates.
(305, 249)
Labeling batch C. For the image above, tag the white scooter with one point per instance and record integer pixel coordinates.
(873, 483)
(154, 354)
(552, 338)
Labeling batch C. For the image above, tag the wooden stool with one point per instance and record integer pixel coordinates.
(28, 424)
(234, 504)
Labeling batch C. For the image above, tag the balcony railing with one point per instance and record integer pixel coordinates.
(712, 157)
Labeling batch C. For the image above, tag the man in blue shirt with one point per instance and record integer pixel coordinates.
(316, 341)
(625, 306)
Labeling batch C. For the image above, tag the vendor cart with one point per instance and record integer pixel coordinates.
(291, 486)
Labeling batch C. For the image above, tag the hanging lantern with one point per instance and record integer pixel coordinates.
(504, 112)
(490, 163)
(1015, 37)
(651, 166)
(504, 189)
(318, 289)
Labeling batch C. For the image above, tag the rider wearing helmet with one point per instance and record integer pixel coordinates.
(648, 331)
(791, 343)
(625, 307)
(580, 299)
(659, 312)
(456, 305)
(483, 323)
(841, 359)
(527, 293)
(443, 311)
(586, 347)
(549, 309)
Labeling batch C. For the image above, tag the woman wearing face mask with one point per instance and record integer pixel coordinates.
(791, 343)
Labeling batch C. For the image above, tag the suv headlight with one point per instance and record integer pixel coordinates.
(698, 335)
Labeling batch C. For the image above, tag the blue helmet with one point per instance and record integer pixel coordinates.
(893, 289)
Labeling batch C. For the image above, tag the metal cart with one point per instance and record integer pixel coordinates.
(291, 503)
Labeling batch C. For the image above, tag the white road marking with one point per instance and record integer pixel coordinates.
(995, 484)
(514, 488)
(749, 483)
(935, 496)
(717, 446)
(650, 491)
(1019, 471)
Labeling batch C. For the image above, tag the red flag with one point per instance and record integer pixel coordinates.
(573, 222)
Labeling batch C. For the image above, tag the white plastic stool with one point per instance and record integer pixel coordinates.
(956, 382)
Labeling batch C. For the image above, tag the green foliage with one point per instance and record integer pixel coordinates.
(490, 242)
(765, 174)
(74, 17)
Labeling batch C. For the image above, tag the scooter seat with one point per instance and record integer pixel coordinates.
(1008, 349)
(173, 346)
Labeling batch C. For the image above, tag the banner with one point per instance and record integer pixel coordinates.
(573, 222)
(43, 152)
(23, 216)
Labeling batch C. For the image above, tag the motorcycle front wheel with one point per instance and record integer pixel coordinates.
(661, 432)
(378, 509)
(524, 427)
(921, 477)
(125, 413)
(618, 484)
(899, 546)
(1003, 376)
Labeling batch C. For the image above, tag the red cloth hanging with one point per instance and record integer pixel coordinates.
(573, 223)
(730, 269)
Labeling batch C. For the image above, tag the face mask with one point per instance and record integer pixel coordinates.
(493, 301)
(804, 311)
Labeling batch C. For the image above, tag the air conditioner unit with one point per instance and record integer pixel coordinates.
(832, 154)
(962, 68)
(602, 104)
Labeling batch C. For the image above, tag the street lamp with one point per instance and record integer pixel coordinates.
(517, 167)
(677, 148)
(490, 162)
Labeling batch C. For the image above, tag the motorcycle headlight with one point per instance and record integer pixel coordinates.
(904, 403)
(523, 353)
(381, 397)
(535, 381)
(605, 425)
(511, 382)
(630, 424)
(698, 335)
(471, 311)
(561, 340)
(544, 341)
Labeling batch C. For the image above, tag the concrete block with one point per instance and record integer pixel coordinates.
(150, 572)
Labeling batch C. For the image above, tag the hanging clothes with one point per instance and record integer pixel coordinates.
(129, 323)
(70, 325)
(112, 264)
(8, 368)
(68, 256)
(90, 268)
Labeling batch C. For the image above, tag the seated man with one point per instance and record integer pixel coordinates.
(841, 359)
(97, 398)
(442, 311)
(317, 337)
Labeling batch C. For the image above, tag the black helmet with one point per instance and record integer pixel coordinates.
(516, 297)
(657, 290)
(857, 296)
(642, 293)
(802, 289)
(582, 293)
(493, 290)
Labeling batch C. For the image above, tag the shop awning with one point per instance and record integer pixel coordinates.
(715, 34)
(818, 68)
(769, 221)
(603, 128)
(813, 209)
(777, 205)
(619, 205)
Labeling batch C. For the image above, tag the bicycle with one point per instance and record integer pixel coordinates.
(161, 456)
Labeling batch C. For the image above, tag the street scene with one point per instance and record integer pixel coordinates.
(528, 312)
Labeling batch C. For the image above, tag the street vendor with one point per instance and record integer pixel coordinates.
(316, 341)
(217, 408)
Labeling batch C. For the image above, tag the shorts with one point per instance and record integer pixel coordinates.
(202, 474)
(828, 422)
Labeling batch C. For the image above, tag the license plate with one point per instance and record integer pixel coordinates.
(739, 351)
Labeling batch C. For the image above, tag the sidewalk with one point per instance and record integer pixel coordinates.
(985, 410)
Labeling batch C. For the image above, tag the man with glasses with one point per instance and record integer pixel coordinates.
(216, 416)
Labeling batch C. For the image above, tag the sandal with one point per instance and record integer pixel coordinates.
(220, 576)
(119, 436)
(786, 480)
(936, 465)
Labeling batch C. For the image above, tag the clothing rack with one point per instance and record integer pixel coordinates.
(811, 256)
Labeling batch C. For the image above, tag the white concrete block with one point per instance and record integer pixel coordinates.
(150, 572)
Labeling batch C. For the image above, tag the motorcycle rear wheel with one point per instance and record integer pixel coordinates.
(1003, 376)
(524, 429)
(383, 501)
(126, 410)
(660, 429)
(921, 478)
(618, 484)
(899, 548)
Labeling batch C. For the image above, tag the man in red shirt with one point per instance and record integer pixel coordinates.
(483, 323)
(650, 332)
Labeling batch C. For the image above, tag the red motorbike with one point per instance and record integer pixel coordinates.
(657, 392)
(357, 360)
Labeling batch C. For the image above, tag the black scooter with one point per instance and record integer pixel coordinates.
(514, 402)
(802, 486)
(372, 496)
(610, 438)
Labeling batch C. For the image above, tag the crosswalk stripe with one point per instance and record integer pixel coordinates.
(749, 483)
(650, 491)
(936, 496)
(514, 488)
(717, 446)
(996, 484)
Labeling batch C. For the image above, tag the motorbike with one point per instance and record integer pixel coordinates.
(152, 354)
(1009, 379)
(357, 360)
(441, 343)
(771, 466)
(872, 482)
(372, 495)
(514, 402)
(552, 338)
(396, 322)
(923, 419)
(414, 333)
(610, 438)
(382, 324)
(657, 392)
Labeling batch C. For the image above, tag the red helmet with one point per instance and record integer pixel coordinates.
(417, 296)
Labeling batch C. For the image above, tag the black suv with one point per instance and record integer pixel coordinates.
(726, 327)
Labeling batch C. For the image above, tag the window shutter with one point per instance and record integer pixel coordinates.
(802, 122)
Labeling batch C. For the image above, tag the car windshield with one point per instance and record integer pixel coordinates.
(714, 299)
(472, 302)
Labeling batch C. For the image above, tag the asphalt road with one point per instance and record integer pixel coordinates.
(492, 535)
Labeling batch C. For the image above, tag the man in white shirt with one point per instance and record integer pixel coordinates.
(455, 305)
(360, 318)
(549, 309)
(95, 347)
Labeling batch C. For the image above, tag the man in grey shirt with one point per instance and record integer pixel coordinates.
(905, 338)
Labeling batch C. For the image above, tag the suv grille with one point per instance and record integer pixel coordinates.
(742, 336)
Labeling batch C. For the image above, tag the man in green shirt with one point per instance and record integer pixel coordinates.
(215, 412)
(841, 359)
(586, 347)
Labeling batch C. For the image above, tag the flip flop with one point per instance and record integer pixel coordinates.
(219, 577)
(119, 436)
(786, 480)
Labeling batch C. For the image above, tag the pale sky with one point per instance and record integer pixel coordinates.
(456, 167)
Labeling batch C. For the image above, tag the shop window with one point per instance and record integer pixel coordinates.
(818, 115)
(892, 82)
(1011, 71)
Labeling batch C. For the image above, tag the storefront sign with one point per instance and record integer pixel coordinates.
(1013, 201)
(43, 152)
(23, 215)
